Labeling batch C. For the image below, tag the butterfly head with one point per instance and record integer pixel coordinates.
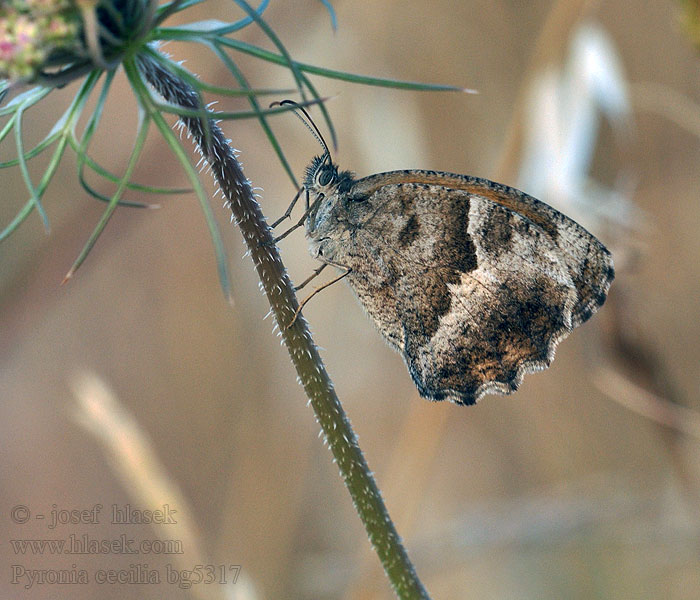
(324, 184)
(326, 187)
(323, 178)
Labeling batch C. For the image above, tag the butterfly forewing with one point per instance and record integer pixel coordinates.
(473, 282)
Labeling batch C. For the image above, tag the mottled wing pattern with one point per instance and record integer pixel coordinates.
(477, 282)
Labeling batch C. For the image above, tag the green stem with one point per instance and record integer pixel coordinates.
(303, 352)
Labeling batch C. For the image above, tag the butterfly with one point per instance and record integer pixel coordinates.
(473, 282)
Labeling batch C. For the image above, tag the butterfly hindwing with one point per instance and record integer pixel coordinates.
(473, 282)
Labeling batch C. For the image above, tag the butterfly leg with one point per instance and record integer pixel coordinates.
(288, 212)
(300, 222)
(294, 227)
(303, 303)
(310, 277)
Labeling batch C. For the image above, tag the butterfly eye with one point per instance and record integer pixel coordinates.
(325, 177)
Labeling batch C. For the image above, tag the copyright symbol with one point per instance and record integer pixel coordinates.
(20, 514)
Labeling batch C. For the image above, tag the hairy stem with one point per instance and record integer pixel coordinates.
(280, 293)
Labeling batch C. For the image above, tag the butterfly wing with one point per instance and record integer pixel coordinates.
(473, 282)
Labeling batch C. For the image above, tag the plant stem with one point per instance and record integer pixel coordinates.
(279, 290)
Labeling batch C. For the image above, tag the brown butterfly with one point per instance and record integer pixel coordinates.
(472, 281)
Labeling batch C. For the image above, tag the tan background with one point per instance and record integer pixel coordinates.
(555, 492)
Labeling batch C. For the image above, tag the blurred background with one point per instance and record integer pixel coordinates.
(137, 383)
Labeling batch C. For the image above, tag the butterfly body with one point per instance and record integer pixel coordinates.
(473, 282)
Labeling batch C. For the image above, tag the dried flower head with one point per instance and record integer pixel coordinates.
(34, 31)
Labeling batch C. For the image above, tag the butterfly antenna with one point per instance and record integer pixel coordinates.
(308, 123)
